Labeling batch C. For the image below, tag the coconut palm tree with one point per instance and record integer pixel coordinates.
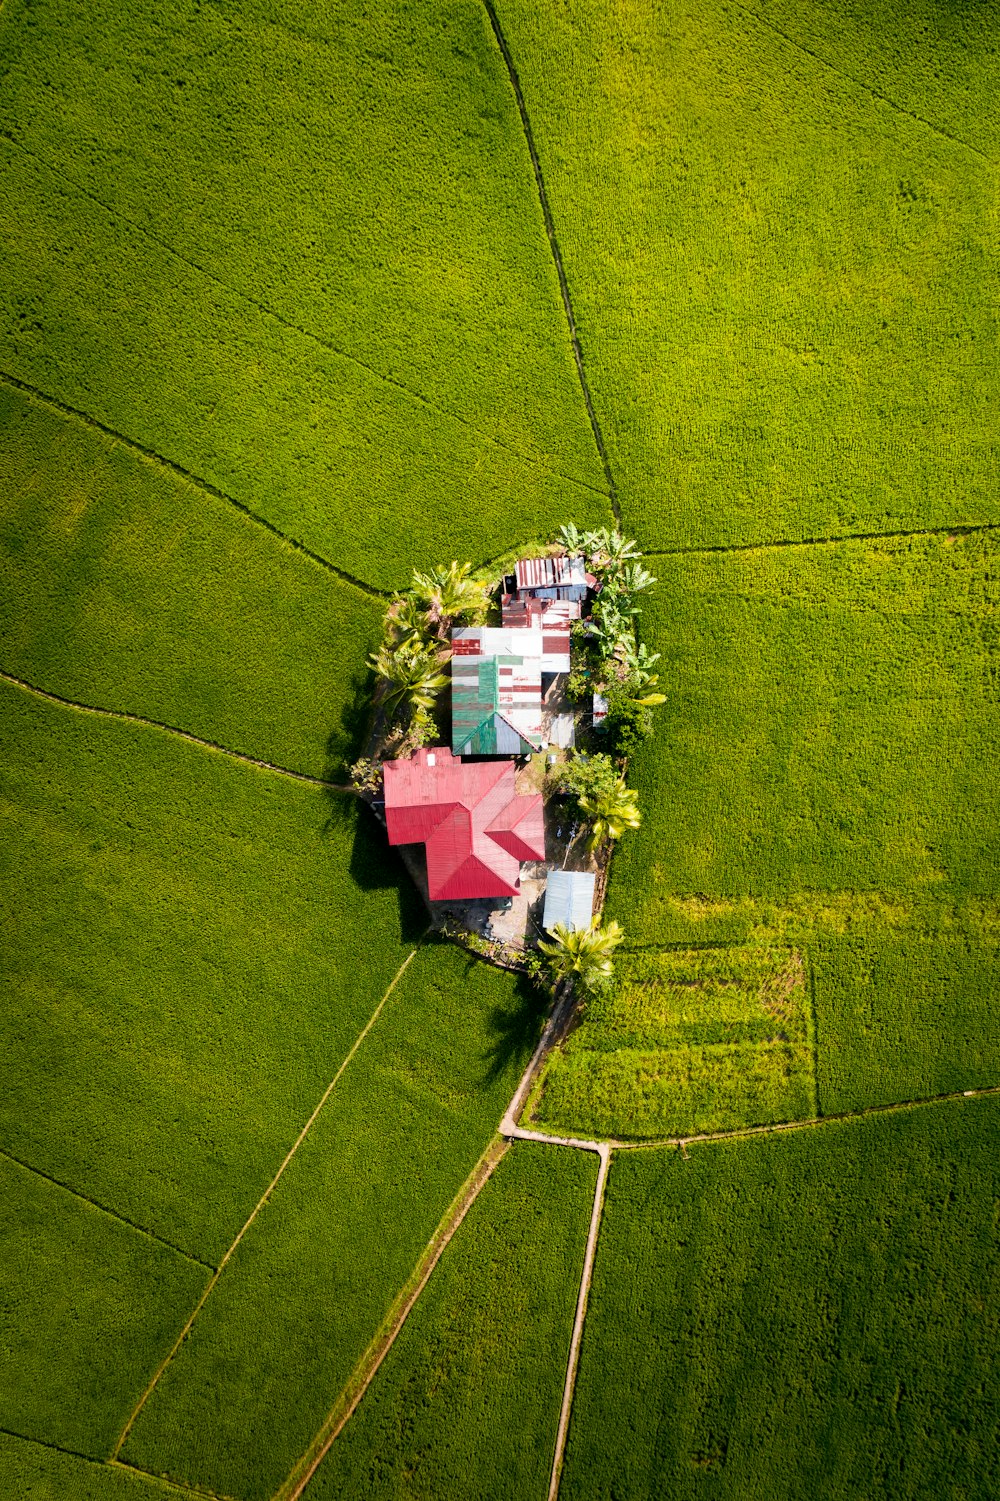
(610, 812)
(583, 954)
(409, 674)
(447, 594)
(406, 622)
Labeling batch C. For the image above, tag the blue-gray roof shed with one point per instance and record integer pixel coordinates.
(569, 899)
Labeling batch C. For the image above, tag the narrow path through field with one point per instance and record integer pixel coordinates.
(124, 717)
(114, 1214)
(550, 230)
(260, 1204)
(581, 1313)
(367, 1367)
(955, 529)
(298, 328)
(152, 457)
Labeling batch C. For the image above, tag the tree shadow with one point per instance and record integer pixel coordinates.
(515, 1028)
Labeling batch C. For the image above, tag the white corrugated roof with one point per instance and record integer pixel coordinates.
(569, 899)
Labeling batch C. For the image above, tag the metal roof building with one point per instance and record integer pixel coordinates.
(496, 691)
(569, 899)
(475, 827)
(562, 572)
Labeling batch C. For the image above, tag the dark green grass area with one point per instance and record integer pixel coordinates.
(32, 1472)
(317, 1272)
(124, 587)
(831, 725)
(180, 944)
(785, 284)
(467, 1402)
(910, 1013)
(89, 1309)
(807, 1314)
(687, 1040)
(380, 200)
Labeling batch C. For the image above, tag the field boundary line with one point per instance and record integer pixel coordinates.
(298, 328)
(151, 456)
(367, 1367)
(581, 1313)
(860, 84)
(126, 717)
(265, 1196)
(959, 529)
(550, 231)
(114, 1214)
(100, 1464)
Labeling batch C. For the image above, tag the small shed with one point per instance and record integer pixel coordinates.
(569, 899)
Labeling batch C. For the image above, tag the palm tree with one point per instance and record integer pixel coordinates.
(446, 594)
(406, 622)
(610, 812)
(581, 953)
(409, 674)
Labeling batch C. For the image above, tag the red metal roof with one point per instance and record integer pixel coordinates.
(476, 828)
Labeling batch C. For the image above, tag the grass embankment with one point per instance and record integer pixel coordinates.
(124, 587)
(308, 1287)
(29, 1470)
(806, 1314)
(183, 977)
(467, 1402)
(90, 1307)
(339, 322)
(686, 1041)
(785, 284)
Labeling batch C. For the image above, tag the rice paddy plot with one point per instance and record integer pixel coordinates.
(783, 268)
(125, 587)
(318, 1271)
(37, 1473)
(381, 197)
(357, 469)
(90, 1307)
(685, 1041)
(180, 951)
(811, 1313)
(830, 726)
(466, 1404)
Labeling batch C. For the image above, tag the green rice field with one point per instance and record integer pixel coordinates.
(294, 301)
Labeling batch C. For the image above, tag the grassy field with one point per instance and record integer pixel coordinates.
(125, 587)
(44, 1474)
(807, 1314)
(74, 1352)
(467, 1402)
(783, 275)
(688, 1040)
(250, 315)
(308, 1287)
(163, 905)
(271, 264)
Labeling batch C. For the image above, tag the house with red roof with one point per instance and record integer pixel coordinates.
(475, 828)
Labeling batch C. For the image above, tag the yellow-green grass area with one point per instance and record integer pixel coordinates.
(125, 587)
(784, 276)
(180, 948)
(90, 1307)
(301, 256)
(35, 1472)
(467, 1402)
(807, 1313)
(823, 775)
(686, 1040)
(317, 1273)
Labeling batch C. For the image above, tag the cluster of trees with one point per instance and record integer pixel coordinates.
(608, 657)
(409, 664)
